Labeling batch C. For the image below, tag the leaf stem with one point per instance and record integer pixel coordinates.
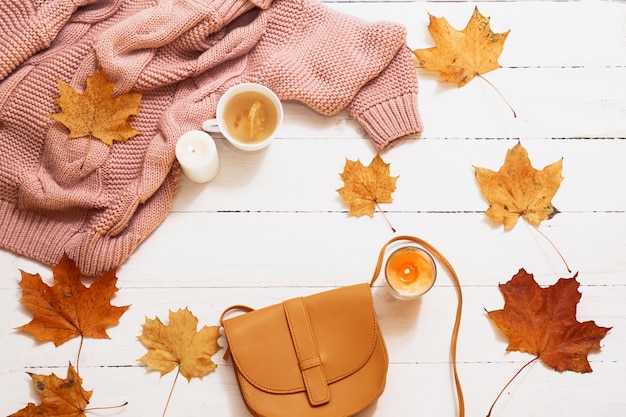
(385, 217)
(509, 383)
(169, 397)
(553, 246)
(80, 348)
(499, 93)
(108, 407)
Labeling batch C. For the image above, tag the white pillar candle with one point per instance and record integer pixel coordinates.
(197, 155)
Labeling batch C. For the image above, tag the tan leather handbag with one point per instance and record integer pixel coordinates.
(317, 356)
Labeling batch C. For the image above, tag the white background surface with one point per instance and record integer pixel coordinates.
(271, 226)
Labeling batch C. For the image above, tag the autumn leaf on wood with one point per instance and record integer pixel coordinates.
(59, 397)
(542, 321)
(518, 189)
(460, 55)
(96, 112)
(366, 186)
(68, 308)
(180, 344)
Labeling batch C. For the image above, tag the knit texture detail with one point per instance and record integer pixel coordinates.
(392, 120)
(26, 29)
(97, 203)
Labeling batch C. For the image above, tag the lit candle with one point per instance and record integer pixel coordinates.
(410, 272)
(197, 155)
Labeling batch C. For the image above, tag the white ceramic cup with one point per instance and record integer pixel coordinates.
(220, 124)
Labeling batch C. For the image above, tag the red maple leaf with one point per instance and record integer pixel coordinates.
(542, 322)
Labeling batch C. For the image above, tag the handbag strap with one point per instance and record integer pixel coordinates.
(228, 310)
(459, 308)
(235, 307)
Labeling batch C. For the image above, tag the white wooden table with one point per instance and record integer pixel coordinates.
(271, 226)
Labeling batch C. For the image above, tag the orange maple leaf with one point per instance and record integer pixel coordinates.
(69, 309)
(366, 186)
(96, 112)
(180, 344)
(518, 189)
(59, 397)
(459, 56)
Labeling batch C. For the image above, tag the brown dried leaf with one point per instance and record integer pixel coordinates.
(542, 322)
(59, 397)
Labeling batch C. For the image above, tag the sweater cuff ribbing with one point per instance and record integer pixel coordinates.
(391, 120)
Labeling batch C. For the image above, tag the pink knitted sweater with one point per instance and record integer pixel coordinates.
(182, 54)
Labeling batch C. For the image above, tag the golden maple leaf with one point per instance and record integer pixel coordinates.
(180, 344)
(96, 112)
(459, 56)
(69, 309)
(518, 189)
(366, 186)
(59, 397)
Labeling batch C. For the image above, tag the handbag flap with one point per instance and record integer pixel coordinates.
(342, 323)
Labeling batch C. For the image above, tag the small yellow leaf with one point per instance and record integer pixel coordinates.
(366, 186)
(461, 55)
(518, 189)
(96, 112)
(180, 344)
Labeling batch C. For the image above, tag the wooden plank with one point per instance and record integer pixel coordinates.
(411, 388)
(311, 251)
(434, 175)
(543, 33)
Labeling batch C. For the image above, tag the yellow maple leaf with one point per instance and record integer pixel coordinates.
(518, 189)
(366, 186)
(96, 112)
(179, 344)
(461, 55)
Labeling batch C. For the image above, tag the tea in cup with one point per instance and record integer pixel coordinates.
(248, 115)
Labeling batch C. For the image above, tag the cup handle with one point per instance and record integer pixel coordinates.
(210, 126)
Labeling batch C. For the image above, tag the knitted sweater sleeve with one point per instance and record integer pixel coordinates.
(331, 61)
(387, 106)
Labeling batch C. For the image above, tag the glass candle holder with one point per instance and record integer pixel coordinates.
(410, 272)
